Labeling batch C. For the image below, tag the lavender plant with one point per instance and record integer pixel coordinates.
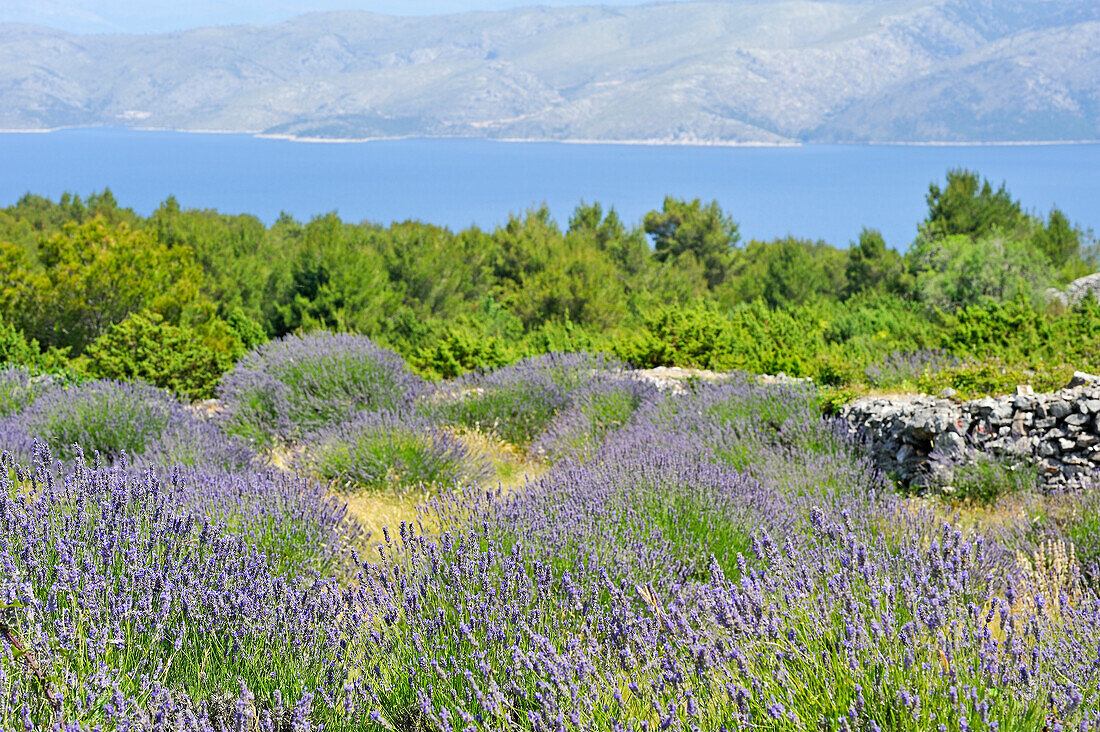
(16, 389)
(289, 388)
(835, 631)
(905, 367)
(727, 559)
(518, 402)
(598, 408)
(390, 449)
(127, 589)
(115, 419)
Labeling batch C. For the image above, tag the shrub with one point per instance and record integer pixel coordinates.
(599, 408)
(391, 449)
(519, 401)
(698, 337)
(748, 337)
(906, 367)
(144, 346)
(458, 352)
(978, 476)
(1021, 333)
(993, 376)
(17, 389)
(115, 419)
(289, 388)
(175, 591)
(14, 346)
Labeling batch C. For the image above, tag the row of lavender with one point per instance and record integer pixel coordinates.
(723, 558)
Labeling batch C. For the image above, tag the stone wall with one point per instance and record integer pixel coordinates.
(1059, 432)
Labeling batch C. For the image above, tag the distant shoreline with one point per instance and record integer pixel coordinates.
(657, 142)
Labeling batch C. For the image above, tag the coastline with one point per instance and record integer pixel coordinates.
(651, 142)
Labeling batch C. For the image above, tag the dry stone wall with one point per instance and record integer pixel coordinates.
(674, 379)
(1059, 432)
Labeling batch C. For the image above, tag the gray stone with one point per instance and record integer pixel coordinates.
(948, 443)
(1061, 430)
(1024, 403)
(1082, 288)
(1080, 378)
(1002, 412)
(905, 454)
(1078, 420)
(1058, 409)
(1087, 440)
(1024, 390)
(985, 405)
(1051, 465)
(930, 422)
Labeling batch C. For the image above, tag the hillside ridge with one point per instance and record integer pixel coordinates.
(792, 71)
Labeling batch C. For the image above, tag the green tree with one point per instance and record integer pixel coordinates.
(237, 254)
(787, 272)
(872, 267)
(544, 276)
(627, 249)
(969, 206)
(15, 348)
(93, 275)
(1059, 240)
(336, 280)
(958, 271)
(790, 277)
(706, 232)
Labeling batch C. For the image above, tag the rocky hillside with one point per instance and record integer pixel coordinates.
(740, 71)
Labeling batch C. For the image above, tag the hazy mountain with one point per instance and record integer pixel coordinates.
(738, 71)
(166, 16)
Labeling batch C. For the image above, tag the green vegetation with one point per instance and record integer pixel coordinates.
(94, 287)
(388, 450)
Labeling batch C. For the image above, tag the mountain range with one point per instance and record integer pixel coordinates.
(738, 71)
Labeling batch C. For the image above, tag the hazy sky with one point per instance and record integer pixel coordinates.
(152, 16)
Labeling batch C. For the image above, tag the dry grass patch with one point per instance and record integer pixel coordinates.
(376, 510)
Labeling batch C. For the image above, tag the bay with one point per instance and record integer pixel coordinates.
(824, 192)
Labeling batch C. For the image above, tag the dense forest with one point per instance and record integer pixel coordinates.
(89, 288)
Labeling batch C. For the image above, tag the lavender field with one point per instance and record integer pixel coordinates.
(589, 552)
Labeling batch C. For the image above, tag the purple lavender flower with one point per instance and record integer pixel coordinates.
(392, 449)
(113, 419)
(288, 388)
(907, 366)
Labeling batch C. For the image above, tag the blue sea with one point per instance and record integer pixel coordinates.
(824, 192)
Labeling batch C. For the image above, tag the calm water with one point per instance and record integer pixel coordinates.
(822, 191)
